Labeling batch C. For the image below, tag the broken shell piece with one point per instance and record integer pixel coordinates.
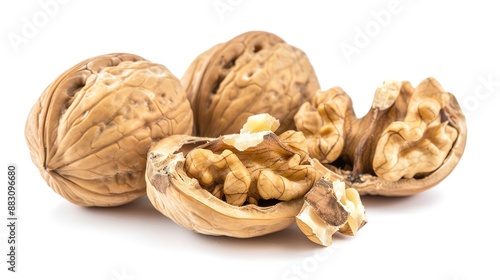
(328, 208)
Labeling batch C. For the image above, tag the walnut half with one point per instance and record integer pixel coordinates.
(410, 140)
(240, 185)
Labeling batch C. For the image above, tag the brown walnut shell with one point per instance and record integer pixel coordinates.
(90, 130)
(255, 72)
(182, 198)
(410, 140)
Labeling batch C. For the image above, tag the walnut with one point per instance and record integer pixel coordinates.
(253, 73)
(266, 166)
(90, 130)
(410, 140)
(216, 186)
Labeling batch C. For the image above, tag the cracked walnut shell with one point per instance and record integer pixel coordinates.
(409, 141)
(90, 130)
(243, 185)
(255, 72)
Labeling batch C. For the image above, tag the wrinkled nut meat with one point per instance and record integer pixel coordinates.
(90, 130)
(253, 166)
(409, 141)
(253, 73)
(247, 184)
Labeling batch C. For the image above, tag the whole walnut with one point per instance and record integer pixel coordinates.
(90, 130)
(255, 72)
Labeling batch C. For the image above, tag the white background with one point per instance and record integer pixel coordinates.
(447, 233)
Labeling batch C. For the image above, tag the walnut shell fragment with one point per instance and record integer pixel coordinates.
(255, 72)
(409, 141)
(330, 207)
(210, 186)
(90, 130)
